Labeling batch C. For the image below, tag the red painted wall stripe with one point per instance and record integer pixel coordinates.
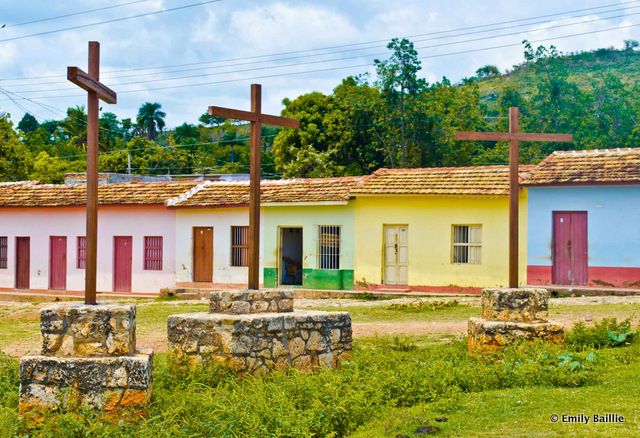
(599, 276)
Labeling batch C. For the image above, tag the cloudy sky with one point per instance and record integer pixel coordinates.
(208, 54)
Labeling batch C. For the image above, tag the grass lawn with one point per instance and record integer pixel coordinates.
(393, 386)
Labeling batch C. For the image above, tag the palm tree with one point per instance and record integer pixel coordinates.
(150, 119)
(74, 126)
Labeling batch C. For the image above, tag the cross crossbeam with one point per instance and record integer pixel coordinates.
(514, 137)
(257, 118)
(96, 91)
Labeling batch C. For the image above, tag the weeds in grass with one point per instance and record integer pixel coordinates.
(421, 306)
(607, 332)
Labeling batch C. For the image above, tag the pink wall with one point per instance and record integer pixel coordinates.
(135, 221)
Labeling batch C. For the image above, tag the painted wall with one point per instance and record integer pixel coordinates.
(221, 219)
(310, 217)
(430, 220)
(40, 223)
(613, 222)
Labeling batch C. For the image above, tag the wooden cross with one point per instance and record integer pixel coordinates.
(257, 118)
(95, 91)
(514, 137)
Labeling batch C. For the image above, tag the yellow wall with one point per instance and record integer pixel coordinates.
(430, 220)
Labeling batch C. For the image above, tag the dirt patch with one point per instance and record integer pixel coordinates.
(364, 329)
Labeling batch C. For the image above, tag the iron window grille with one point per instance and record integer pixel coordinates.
(81, 255)
(329, 246)
(153, 253)
(467, 244)
(240, 245)
(3, 252)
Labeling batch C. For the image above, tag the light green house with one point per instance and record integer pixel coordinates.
(308, 233)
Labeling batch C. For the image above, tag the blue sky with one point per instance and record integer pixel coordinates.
(228, 35)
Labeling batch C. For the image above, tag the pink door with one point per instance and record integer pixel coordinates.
(122, 258)
(57, 262)
(570, 249)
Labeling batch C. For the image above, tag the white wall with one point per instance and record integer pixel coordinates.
(40, 223)
(221, 219)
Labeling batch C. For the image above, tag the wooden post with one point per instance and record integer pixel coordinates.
(514, 189)
(95, 91)
(257, 118)
(254, 188)
(514, 137)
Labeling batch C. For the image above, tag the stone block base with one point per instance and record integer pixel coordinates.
(261, 342)
(74, 383)
(251, 301)
(521, 304)
(489, 336)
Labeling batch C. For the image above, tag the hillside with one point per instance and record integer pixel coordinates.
(583, 69)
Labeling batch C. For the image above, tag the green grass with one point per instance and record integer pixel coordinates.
(390, 386)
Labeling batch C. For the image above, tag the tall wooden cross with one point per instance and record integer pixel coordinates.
(257, 118)
(514, 137)
(95, 92)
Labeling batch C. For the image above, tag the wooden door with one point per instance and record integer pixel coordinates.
(57, 262)
(396, 255)
(203, 254)
(570, 249)
(23, 262)
(122, 261)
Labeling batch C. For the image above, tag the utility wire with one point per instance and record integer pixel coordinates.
(73, 14)
(341, 59)
(113, 20)
(107, 72)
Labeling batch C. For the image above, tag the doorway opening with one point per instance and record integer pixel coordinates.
(291, 256)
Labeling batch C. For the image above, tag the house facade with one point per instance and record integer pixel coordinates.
(435, 229)
(584, 211)
(42, 236)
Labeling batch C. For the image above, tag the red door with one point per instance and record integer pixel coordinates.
(570, 249)
(57, 262)
(122, 257)
(23, 262)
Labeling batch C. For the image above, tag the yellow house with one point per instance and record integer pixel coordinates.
(435, 228)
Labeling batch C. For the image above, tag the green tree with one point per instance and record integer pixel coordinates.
(208, 120)
(51, 170)
(400, 86)
(488, 71)
(15, 158)
(150, 119)
(28, 123)
(74, 127)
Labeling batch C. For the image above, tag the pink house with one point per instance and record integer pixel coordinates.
(42, 242)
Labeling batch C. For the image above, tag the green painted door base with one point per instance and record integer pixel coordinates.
(332, 279)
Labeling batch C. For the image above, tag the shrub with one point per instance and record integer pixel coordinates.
(607, 332)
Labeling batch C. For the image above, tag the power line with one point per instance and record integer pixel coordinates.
(107, 72)
(74, 14)
(113, 20)
(325, 60)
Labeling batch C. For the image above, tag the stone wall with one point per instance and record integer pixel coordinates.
(258, 343)
(512, 315)
(84, 330)
(88, 361)
(251, 301)
(254, 332)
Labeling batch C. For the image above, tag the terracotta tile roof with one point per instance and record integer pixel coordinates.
(456, 181)
(32, 194)
(236, 193)
(613, 166)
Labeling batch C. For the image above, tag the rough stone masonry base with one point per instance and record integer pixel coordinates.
(510, 315)
(88, 360)
(258, 343)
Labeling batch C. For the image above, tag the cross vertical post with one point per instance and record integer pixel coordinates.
(95, 92)
(514, 189)
(514, 137)
(254, 188)
(257, 119)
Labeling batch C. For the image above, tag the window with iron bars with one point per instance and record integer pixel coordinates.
(467, 244)
(153, 253)
(81, 253)
(240, 245)
(3, 252)
(329, 246)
